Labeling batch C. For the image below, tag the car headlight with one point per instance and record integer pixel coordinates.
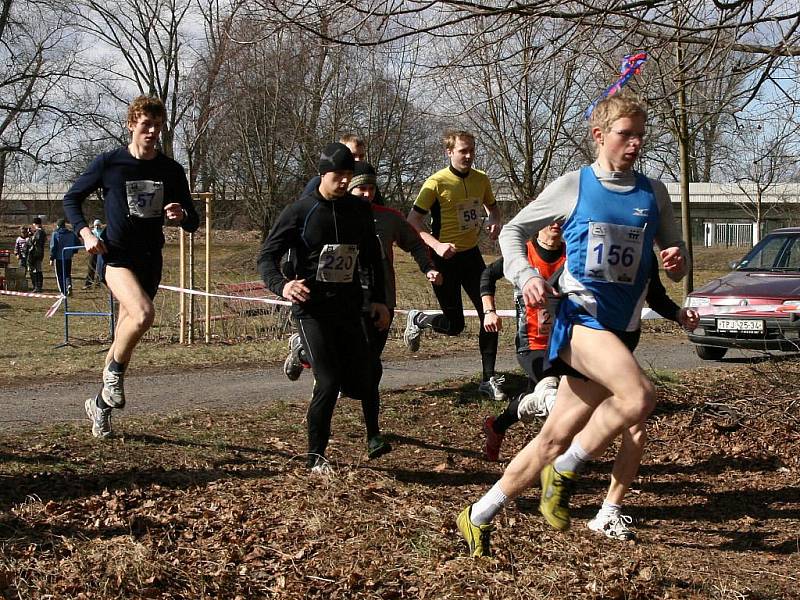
(695, 301)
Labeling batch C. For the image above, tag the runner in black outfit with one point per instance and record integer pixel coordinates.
(332, 234)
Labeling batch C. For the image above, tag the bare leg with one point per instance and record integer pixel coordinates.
(575, 402)
(626, 464)
(632, 394)
(584, 405)
(136, 313)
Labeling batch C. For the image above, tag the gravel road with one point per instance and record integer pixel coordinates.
(28, 406)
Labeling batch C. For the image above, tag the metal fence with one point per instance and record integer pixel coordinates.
(728, 234)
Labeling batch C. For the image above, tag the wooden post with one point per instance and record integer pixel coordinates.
(182, 285)
(190, 332)
(208, 267)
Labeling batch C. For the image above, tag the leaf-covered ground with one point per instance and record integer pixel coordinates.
(206, 505)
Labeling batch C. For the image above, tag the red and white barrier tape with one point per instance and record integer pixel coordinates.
(50, 312)
(28, 294)
(646, 312)
(54, 308)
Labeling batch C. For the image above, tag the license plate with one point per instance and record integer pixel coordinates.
(740, 325)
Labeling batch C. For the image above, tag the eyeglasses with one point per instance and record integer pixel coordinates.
(630, 135)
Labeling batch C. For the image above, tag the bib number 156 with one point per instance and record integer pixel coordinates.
(613, 253)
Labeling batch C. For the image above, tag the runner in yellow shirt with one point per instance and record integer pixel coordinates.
(457, 198)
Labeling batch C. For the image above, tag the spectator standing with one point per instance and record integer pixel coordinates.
(60, 258)
(36, 243)
(92, 275)
(21, 249)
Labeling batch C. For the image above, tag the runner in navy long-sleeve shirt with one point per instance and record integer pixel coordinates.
(141, 188)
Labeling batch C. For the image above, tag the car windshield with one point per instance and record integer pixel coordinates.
(775, 253)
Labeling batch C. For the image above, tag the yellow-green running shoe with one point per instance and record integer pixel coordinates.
(557, 489)
(477, 536)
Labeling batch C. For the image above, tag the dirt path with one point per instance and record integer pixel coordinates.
(28, 406)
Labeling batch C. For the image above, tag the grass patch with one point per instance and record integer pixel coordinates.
(248, 335)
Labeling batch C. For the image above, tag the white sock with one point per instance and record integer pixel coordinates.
(573, 460)
(610, 508)
(485, 509)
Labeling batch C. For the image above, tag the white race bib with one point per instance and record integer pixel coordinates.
(613, 253)
(468, 214)
(145, 198)
(337, 263)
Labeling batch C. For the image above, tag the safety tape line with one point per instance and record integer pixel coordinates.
(54, 308)
(28, 294)
(50, 312)
(173, 288)
(646, 312)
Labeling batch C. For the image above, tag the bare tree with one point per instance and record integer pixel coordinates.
(692, 32)
(39, 86)
(139, 45)
(767, 158)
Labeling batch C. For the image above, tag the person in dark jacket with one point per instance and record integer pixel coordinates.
(61, 258)
(331, 234)
(392, 228)
(142, 188)
(36, 244)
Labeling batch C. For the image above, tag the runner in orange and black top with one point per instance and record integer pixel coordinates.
(546, 255)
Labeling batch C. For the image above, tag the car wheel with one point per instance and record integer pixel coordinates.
(710, 352)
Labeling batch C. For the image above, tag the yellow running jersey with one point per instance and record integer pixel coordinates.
(455, 204)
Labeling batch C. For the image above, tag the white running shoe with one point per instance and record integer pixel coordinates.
(293, 366)
(322, 468)
(412, 334)
(100, 418)
(613, 525)
(113, 390)
(539, 403)
(493, 388)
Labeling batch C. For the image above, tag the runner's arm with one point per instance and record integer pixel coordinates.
(409, 240)
(370, 250)
(555, 203)
(668, 236)
(489, 278)
(191, 220)
(657, 297)
(416, 217)
(87, 183)
(417, 220)
(280, 238)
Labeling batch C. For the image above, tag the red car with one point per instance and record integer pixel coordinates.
(757, 305)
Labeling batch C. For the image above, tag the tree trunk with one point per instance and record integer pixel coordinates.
(683, 150)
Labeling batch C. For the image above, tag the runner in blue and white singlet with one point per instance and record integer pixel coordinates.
(611, 216)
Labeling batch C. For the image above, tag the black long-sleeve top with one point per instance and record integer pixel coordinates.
(657, 297)
(135, 192)
(306, 227)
